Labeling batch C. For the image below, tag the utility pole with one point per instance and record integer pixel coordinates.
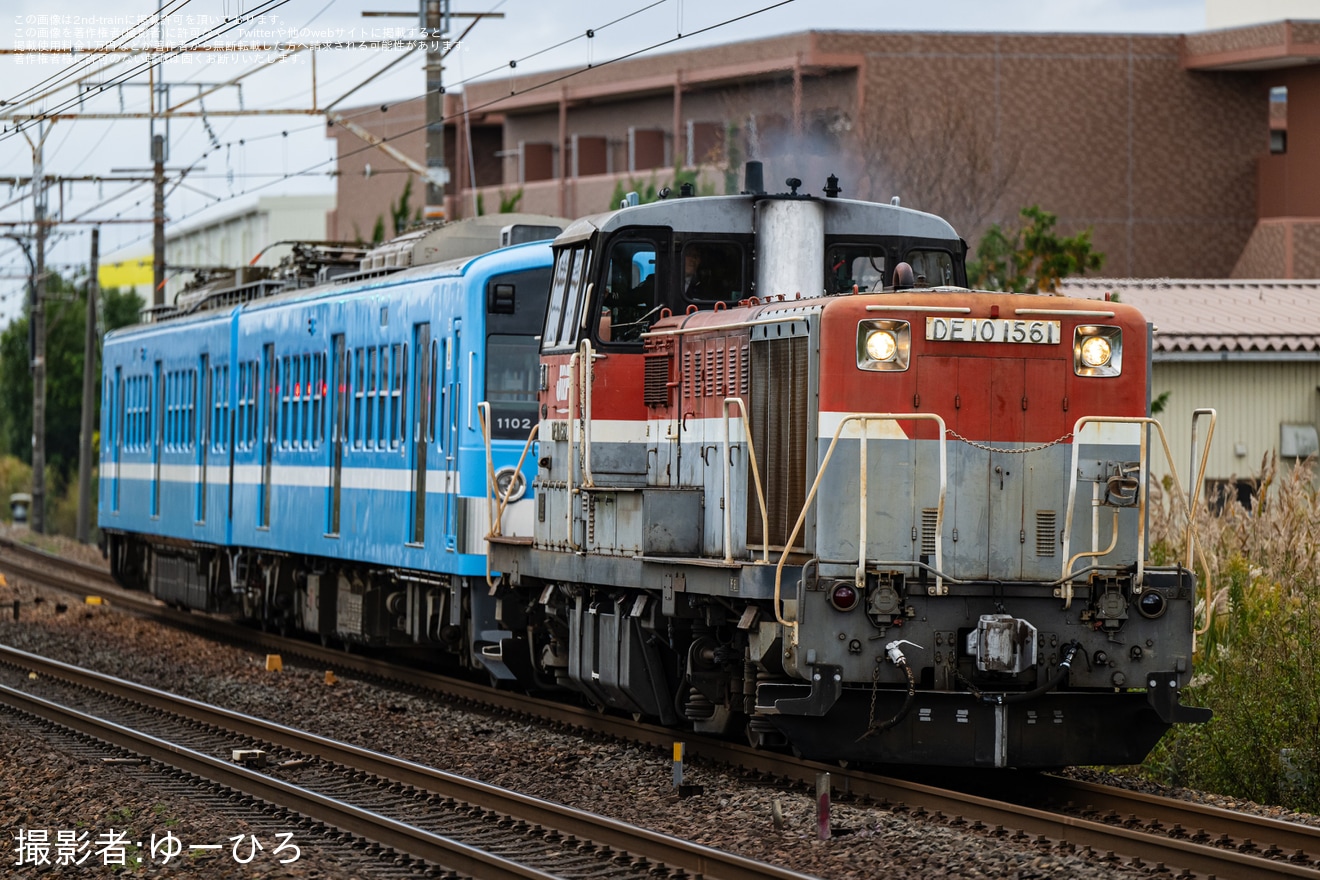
(158, 220)
(435, 25)
(37, 318)
(160, 98)
(89, 395)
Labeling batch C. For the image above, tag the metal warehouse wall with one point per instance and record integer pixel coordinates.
(1252, 397)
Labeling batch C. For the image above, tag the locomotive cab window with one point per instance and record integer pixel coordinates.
(712, 271)
(633, 290)
(567, 292)
(859, 266)
(932, 268)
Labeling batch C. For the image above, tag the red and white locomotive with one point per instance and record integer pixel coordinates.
(886, 522)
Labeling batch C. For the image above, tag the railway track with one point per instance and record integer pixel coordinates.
(422, 813)
(1109, 824)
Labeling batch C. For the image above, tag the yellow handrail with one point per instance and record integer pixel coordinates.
(865, 418)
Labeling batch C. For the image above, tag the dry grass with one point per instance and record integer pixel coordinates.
(1258, 662)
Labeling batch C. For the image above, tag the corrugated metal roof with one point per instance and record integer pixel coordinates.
(1204, 316)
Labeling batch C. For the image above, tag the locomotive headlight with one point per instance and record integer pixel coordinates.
(880, 345)
(883, 345)
(1097, 350)
(510, 480)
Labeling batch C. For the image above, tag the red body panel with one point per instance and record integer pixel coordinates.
(986, 391)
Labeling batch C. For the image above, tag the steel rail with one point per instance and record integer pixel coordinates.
(346, 817)
(710, 863)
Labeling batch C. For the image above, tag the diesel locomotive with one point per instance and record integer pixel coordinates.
(794, 480)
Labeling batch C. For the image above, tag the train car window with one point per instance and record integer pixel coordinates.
(712, 272)
(633, 289)
(860, 266)
(511, 382)
(359, 395)
(192, 410)
(430, 424)
(400, 394)
(932, 268)
(369, 428)
(308, 431)
(383, 399)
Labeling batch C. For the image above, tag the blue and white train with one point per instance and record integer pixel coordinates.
(308, 451)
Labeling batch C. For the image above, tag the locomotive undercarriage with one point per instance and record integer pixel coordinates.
(1001, 674)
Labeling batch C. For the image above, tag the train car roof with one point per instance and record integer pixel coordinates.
(722, 214)
(498, 258)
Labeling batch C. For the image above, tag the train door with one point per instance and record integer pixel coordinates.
(338, 422)
(118, 445)
(267, 434)
(157, 435)
(204, 441)
(420, 430)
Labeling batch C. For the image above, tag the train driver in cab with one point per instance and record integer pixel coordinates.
(630, 295)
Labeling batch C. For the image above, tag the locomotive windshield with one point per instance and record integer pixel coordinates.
(855, 265)
(932, 268)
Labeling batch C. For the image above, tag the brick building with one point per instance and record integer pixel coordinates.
(1188, 155)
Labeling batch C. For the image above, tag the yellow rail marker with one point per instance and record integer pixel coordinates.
(274, 663)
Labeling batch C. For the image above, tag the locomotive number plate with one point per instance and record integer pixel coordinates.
(992, 330)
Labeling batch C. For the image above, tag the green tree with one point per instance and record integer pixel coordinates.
(650, 191)
(401, 215)
(66, 310)
(1032, 258)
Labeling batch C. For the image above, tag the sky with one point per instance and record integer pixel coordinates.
(232, 161)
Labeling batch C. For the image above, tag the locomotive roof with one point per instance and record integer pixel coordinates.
(724, 214)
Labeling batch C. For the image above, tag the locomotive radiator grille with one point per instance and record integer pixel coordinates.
(929, 519)
(779, 408)
(1047, 536)
(655, 388)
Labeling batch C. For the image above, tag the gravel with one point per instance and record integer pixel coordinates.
(44, 785)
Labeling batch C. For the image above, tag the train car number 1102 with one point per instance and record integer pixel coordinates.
(992, 330)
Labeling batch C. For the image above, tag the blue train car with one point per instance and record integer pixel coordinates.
(316, 457)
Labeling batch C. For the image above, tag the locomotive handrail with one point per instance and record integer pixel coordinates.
(1066, 589)
(1191, 511)
(569, 487)
(707, 328)
(588, 478)
(756, 479)
(865, 418)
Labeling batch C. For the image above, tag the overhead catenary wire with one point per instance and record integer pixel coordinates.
(265, 7)
(315, 168)
(62, 77)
